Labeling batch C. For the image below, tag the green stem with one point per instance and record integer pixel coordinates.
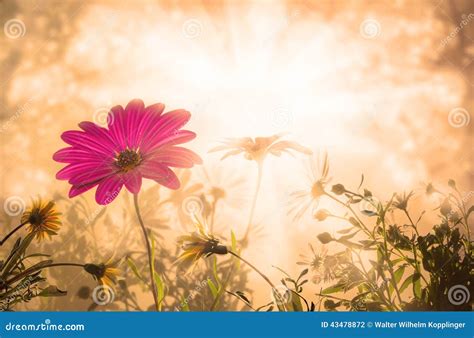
(148, 248)
(281, 301)
(12, 232)
(39, 268)
(254, 202)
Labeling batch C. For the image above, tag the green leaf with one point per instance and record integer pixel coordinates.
(242, 296)
(354, 222)
(398, 274)
(304, 272)
(213, 288)
(295, 301)
(233, 241)
(345, 231)
(417, 285)
(52, 291)
(406, 283)
(349, 236)
(214, 271)
(160, 289)
(134, 268)
(333, 289)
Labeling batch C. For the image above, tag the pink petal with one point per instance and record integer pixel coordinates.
(133, 181)
(160, 173)
(134, 113)
(71, 154)
(75, 169)
(155, 109)
(108, 189)
(149, 118)
(179, 137)
(168, 123)
(77, 190)
(98, 132)
(178, 157)
(93, 175)
(116, 126)
(88, 142)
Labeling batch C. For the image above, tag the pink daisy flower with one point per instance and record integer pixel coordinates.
(139, 142)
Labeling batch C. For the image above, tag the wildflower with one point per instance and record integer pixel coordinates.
(199, 244)
(320, 263)
(402, 201)
(42, 219)
(315, 262)
(105, 273)
(302, 200)
(257, 149)
(140, 142)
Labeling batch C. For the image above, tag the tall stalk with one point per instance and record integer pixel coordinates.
(254, 201)
(148, 249)
(11, 233)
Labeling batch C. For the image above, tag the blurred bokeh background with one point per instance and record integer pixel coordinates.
(385, 87)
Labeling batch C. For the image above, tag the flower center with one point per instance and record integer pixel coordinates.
(128, 159)
(317, 190)
(36, 219)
